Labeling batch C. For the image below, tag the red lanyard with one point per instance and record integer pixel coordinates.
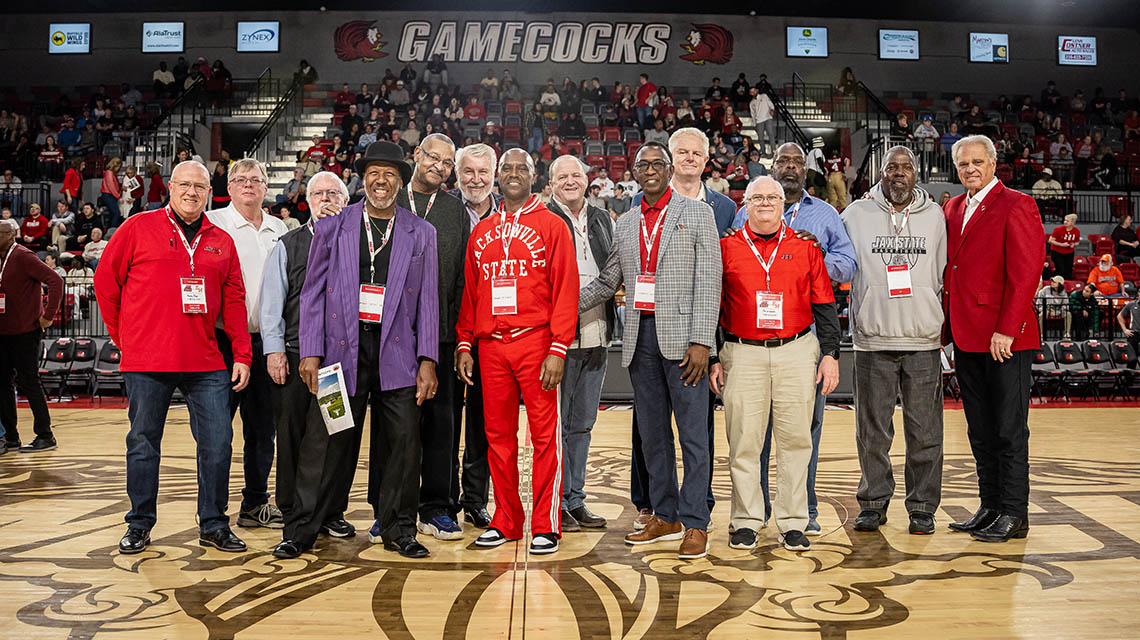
(507, 232)
(412, 203)
(651, 240)
(772, 258)
(906, 217)
(795, 211)
(383, 242)
(190, 248)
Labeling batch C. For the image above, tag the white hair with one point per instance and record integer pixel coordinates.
(246, 164)
(11, 223)
(205, 171)
(326, 175)
(991, 152)
(529, 160)
(691, 132)
(581, 165)
(477, 150)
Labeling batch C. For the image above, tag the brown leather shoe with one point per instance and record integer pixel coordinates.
(694, 545)
(657, 530)
(642, 519)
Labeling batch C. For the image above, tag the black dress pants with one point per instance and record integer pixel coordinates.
(20, 353)
(438, 429)
(476, 479)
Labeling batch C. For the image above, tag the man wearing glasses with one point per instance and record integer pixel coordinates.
(254, 233)
(426, 197)
(810, 217)
(667, 255)
(164, 278)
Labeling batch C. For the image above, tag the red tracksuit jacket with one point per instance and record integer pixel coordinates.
(545, 270)
(137, 285)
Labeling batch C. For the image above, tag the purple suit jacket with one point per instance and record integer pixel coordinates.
(330, 298)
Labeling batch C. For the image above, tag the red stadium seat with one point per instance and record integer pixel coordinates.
(1081, 271)
(573, 146)
(618, 164)
(631, 147)
(1005, 172)
(512, 106)
(596, 161)
(1073, 285)
(593, 133)
(611, 133)
(737, 196)
(1097, 237)
(1104, 246)
(512, 134)
(1130, 271)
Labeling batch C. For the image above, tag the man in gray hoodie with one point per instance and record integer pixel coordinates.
(899, 234)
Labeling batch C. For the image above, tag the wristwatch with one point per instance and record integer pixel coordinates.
(834, 353)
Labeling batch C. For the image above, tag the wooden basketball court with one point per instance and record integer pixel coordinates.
(1077, 575)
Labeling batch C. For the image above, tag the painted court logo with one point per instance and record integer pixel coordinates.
(708, 43)
(358, 40)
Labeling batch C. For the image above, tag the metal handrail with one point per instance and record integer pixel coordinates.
(283, 105)
(789, 121)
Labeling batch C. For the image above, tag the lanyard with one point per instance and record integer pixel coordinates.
(412, 203)
(7, 256)
(372, 253)
(190, 248)
(795, 211)
(651, 240)
(507, 232)
(766, 264)
(905, 218)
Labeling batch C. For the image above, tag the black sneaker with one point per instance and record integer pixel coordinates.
(263, 515)
(39, 444)
(543, 543)
(287, 549)
(921, 524)
(478, 517)
(742, 539)
(407, 546)
(869, 520)
(13, 445)
(569, 523)
(3, 448)
(134, 541)
(796, 541)
(222, 539)
(339, 528)
(491, 538)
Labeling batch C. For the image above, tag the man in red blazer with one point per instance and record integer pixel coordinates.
(996, 245)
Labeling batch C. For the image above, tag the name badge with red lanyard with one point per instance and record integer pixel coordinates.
(371, 294)
(769, 304)
(898, 275)
(504, 291)
(3, 302)
(192, 289)
(643, 293)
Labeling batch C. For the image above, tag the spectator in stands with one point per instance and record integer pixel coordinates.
(6, 214)
(1132, 125)
(62, 225)
(1062, 245)
(85, 224)
(1082, 157)
(549, 97)
(69, 136)
(1062, 165)
(571, 99)
(900, 129)
(489, 86)
(1124, 237)
(164, 84)
(1106, 277)
(717, 183)
(763, 114)
(596, 92)
(294, 191)
(836, 181)
(474, 113)
(11, 190)
(180, 71)
(52, 261)
(366, 138)
(657, 134)
(156, 190)
(628, 184)
(27, 314)
(594, 197)
(131, 96)
(351, 118)
(604, 184)
(111, 190)
(1051, 98)
(94, 249)
(36, 230)
(50, 159)
(80, 277)
(1120, 106)
(411, 134)
(754, 167)
(552, 149)
(1025, 168)
(399, 96)
(1084, 309)
(408, 75)
(364, 99)
(646, 93)
(1004, 105)
(1052, 303)
(975, 121)
(509, 90)
(344, 98)
(397, 139)
(354, 184)
(306, 73)
(1060, 143)
(1047, 187)
(620, 202)
(955, 107)
(1129, 321)
(219, 186)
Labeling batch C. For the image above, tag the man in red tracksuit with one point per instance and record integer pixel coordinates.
(520, 301)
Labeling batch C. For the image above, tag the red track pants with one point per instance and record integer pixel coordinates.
(510, 367)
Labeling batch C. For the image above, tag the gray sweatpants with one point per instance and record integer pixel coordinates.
(879, 378)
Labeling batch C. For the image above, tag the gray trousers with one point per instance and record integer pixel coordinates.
(581, 391)
(880, 377)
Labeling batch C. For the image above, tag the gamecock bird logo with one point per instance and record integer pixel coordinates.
(708, 43)
(358, 39)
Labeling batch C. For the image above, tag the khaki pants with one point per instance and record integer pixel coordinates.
(59, 237)
(837, 191)
(779, 381)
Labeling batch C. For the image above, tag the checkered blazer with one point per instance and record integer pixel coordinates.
(687, 292)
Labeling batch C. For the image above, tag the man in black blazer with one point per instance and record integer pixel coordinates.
(592, 230)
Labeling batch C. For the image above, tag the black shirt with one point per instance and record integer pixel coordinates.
(377, 227)
(189, 230)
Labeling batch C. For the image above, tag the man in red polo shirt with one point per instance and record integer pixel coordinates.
(775, 285)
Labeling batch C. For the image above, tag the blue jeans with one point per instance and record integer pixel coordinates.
(766, 454)
(658, 391)
(581, 392)
(258, 429)
(643, 114)
(114, 214)
(208, 400)
(535, 141)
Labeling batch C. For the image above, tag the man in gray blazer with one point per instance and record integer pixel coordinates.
(667, 254)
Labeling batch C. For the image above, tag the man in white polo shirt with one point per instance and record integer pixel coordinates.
(254, 233)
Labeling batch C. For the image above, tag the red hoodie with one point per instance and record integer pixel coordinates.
(138, 288)
(542, 262)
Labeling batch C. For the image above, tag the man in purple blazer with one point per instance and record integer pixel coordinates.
(370, 303)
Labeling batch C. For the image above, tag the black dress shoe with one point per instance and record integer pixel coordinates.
(869, 520)
(921, 524)
(39, 444)
(981, 519)
(478, 517)
(407, 546)
(287, 549)
(587, 518)
(569, 523)
(222, 539)
(13, 445)
(1002, 529)
(134, 541)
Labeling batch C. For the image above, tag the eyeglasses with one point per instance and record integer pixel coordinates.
(757, 200)
(658, 166)
(436, 159)
(186, 186)
(242, 180)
